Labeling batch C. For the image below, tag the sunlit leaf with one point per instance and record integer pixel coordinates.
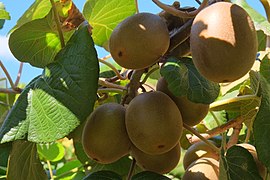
(3, 13)
(24, 162)
(105, 15)
(52, 152)
(53, 104)
(37, 42)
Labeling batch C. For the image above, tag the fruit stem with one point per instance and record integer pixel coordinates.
(19, 75)
(235, 135)
(110, 85)
(113, 68)
(148, 74)
(211, 133)
(179, 13)
(50, 169)
(131, 169)
(137, 6)
(57, 21)
(201, 138)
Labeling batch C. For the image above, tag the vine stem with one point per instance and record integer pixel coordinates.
(211, 133)
(110, 85)
(57, 20)
(50, 169)
(19, 75)
(201, 138)
(131, 169)
(8, 76)
(113, 68)
(137, 6)
(10, 91)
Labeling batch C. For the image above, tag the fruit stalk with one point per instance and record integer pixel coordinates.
(201, 137)
(131, 170)
(211, 133)
(57, 21)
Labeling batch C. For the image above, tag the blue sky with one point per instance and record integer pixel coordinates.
(17, 7)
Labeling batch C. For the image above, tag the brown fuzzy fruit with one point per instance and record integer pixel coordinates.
(154, 123)
(161, 163)
(139, 41)
(202, 169)
(223, 42)
(199, 150)
(104, 136)
(192, 113)
(262, 169)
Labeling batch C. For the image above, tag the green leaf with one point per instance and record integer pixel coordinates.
(51, 152)
(262, 123)
(104, 175)
(149, 176)
(261, 40)
(105, 15)
(259, 20)
(68, 166)
(184, 79)
(239, 164)
(39, 9)
(4, 154)
(3, 13)
(53, 104)
(265, 67)
(24, 162)
(37, 42)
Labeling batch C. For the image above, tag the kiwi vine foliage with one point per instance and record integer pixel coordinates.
(54, 105)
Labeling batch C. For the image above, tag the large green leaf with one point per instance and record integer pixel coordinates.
(259, 20)
(261, 40)
(184, 80)
(262, 123)
(105, 15)
(24, 163)
(53, 104)
(265, 67)
(37, 41)
(239, 164)
(39, 9)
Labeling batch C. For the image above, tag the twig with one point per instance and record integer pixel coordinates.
(113, 68)
(10, 91)
(8, 76)
(110, 85)
(193, 131)
(50, 169)
(131, 169)
(137, 6)
(107, 90)
(198, 1)
(178, 13)
(106, 57)
(211, 133)
(19, 75)
(235, 136)
(57, 21)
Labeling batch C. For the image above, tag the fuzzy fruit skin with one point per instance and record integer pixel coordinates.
(262, 169)
(139, 41)
(223, 42)
(162, 163)
(154, 123)
(192, 113)
(199, 150)
(104, 136)
(202, 169)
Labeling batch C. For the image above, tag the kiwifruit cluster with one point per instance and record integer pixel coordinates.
(149, 129)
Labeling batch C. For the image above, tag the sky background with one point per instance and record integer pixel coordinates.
(17, 7)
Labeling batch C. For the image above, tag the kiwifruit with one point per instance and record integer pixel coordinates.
(139, 41)
(202, 169)
(199, 150)
(104, 137)
(262, 169)
(161, 163)
(223, 42)
(153, 122)
(192, 113)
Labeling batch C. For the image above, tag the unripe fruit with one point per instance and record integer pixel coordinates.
(192, 113)
(223, 42)
(262, 169)
(139, 41)
(104, 136)
(161, 163)
(154, 123)
(199, 150)
(202, 169)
